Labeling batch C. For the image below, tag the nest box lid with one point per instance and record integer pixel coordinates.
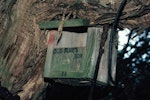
(68, 23)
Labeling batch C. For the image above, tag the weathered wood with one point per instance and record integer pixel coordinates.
(75, 57)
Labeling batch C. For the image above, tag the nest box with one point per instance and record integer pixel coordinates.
(73, 59)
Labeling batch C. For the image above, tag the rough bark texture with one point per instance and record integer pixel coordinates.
(23, 45)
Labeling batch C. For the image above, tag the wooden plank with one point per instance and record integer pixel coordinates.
(51, 43)
(72, 39)
(103, 69)
(68, 23)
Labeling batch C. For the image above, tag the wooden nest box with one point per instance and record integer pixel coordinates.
(73, 59)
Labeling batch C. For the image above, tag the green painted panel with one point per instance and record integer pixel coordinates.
(68, 23)
(71, 62)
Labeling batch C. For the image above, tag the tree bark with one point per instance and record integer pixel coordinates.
(23, 45)
(21, 60)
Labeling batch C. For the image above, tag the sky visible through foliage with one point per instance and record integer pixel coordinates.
(123, 38)
(133, 68)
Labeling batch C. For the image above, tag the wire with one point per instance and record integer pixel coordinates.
(112, 35)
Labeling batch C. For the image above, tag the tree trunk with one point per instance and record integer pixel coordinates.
(21, 58)
(23, 45)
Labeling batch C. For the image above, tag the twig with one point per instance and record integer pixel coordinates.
(60, 28)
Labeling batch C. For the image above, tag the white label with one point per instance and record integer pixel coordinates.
(71, 39)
